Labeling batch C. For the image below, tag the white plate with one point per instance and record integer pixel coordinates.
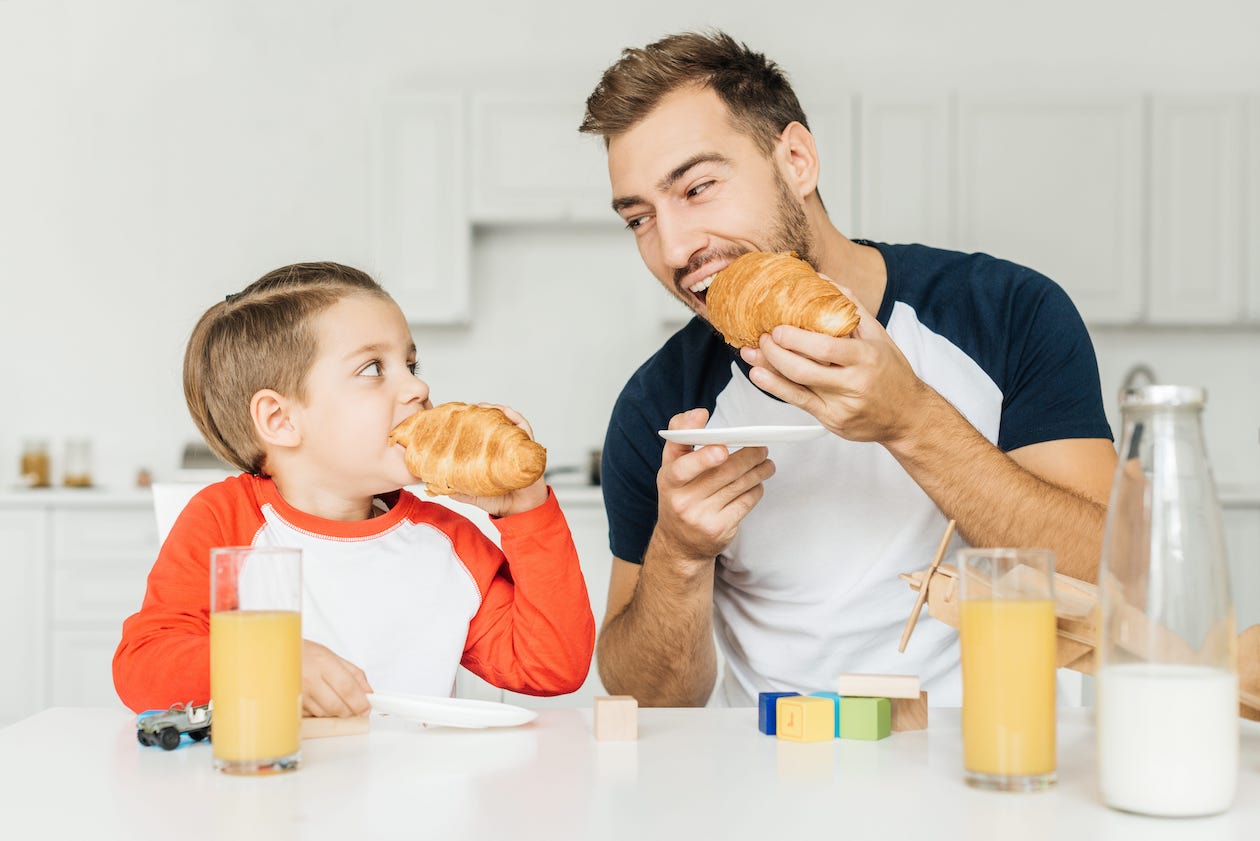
(742, 436)
(450, 712)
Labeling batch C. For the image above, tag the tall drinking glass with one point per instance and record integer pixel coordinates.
(1007, 632)
(256, 658)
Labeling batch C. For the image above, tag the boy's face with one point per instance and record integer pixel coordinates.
(361, 385)
(697, 193)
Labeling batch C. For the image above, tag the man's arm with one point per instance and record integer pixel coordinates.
(1050, 495)
(657, 639)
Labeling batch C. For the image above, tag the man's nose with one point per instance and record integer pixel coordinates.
(679, 241)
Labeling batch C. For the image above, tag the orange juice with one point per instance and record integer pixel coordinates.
(256, 684)
(1008, 649)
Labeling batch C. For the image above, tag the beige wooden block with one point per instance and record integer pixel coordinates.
(909, 713)
(616, 718)
(878, 686)
(320, 728)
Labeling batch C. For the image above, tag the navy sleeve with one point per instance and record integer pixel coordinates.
(628, 477)
(1051, 389)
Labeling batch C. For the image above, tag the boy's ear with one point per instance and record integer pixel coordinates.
(273, 422)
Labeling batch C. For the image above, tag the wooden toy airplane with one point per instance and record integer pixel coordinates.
(1076, 610)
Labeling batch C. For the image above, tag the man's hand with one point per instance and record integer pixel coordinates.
(704, 494)
(331, 686)
(860, 387)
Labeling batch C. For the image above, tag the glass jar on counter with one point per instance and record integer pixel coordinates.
(36, 467)
(78, 467)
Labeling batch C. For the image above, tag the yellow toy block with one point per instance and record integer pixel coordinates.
(805, 718)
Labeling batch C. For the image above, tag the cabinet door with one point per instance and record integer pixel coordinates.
(831, 123)
(82, 669)
(530, 164)
(424, 236)
(1196, 210)
(1056, 184)
(1242, 542)
(1252, 219)
(904, 157)
(23, 562)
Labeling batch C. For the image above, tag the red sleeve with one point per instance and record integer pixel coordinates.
(164, 656)
(534, 632)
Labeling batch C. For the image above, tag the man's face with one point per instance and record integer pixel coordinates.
(697, 193)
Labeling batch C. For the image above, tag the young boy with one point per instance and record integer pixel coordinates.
(298, 381)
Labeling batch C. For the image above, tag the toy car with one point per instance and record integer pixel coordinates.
(164, 727)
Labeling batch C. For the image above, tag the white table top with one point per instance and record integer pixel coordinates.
(692, 774)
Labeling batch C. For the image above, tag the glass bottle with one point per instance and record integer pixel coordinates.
(1167, 708)
(35, 469)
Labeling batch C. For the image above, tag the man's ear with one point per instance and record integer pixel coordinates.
(799, 155)
(273, 419)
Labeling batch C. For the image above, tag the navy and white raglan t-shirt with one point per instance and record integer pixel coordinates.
(808, 589)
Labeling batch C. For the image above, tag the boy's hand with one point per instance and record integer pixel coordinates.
(526, 499)
(331, 686)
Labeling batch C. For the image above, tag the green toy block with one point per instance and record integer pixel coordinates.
(865, 718)
(834, 697)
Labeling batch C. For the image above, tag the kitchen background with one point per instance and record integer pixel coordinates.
(156, 156)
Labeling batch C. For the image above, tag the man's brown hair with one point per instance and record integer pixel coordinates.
(753, 88)
(260, 338)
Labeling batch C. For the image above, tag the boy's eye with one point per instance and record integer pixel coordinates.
(372, 369)
(414, 368)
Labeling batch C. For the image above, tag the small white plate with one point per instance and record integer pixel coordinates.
(450, 712)
(742, 436)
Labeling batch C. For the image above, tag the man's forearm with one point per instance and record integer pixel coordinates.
(660, 647)
(996, 501)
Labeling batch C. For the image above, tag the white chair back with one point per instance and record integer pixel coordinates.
(169, 498)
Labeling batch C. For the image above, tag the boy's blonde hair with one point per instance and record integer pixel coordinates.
(260, 338)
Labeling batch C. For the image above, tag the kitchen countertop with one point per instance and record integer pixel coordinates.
(693, 773)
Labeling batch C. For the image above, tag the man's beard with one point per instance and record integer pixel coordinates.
(789, 231)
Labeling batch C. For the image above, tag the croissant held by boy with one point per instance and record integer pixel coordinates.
(761, 290)
(458, 448)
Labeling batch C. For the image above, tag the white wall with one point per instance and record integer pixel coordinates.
(155, 156)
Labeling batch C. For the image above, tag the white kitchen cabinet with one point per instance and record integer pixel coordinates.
(24, 537)
(1197, 178)
(1242, 543)
(424, 237)
(530, 164)
(1056, 184)
(904, 156)
(1252, 211)
(832, 124)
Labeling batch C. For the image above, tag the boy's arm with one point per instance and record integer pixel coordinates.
(164, 656)
(534, 632)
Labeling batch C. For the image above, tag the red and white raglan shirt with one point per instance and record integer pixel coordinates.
(407, 596)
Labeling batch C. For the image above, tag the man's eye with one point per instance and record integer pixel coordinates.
(698, 189)
(633, 224)
(372, 369)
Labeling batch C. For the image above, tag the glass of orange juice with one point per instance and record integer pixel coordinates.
(1008, 636)
(256, 658)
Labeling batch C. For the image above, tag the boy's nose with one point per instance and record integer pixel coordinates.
(417, 391)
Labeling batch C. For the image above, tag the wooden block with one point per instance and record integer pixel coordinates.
(805, 718)
(865, 718)
(766, 706)
(909, 714)
(616, 718)
(320, 728)
(834, 697)
(878, 686)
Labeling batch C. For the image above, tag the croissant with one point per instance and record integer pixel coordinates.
(761, 290)
(458, 448)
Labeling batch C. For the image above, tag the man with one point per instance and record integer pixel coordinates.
(969, 391)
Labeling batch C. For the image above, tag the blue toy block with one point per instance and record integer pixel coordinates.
(835, 699)
(766, 701)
